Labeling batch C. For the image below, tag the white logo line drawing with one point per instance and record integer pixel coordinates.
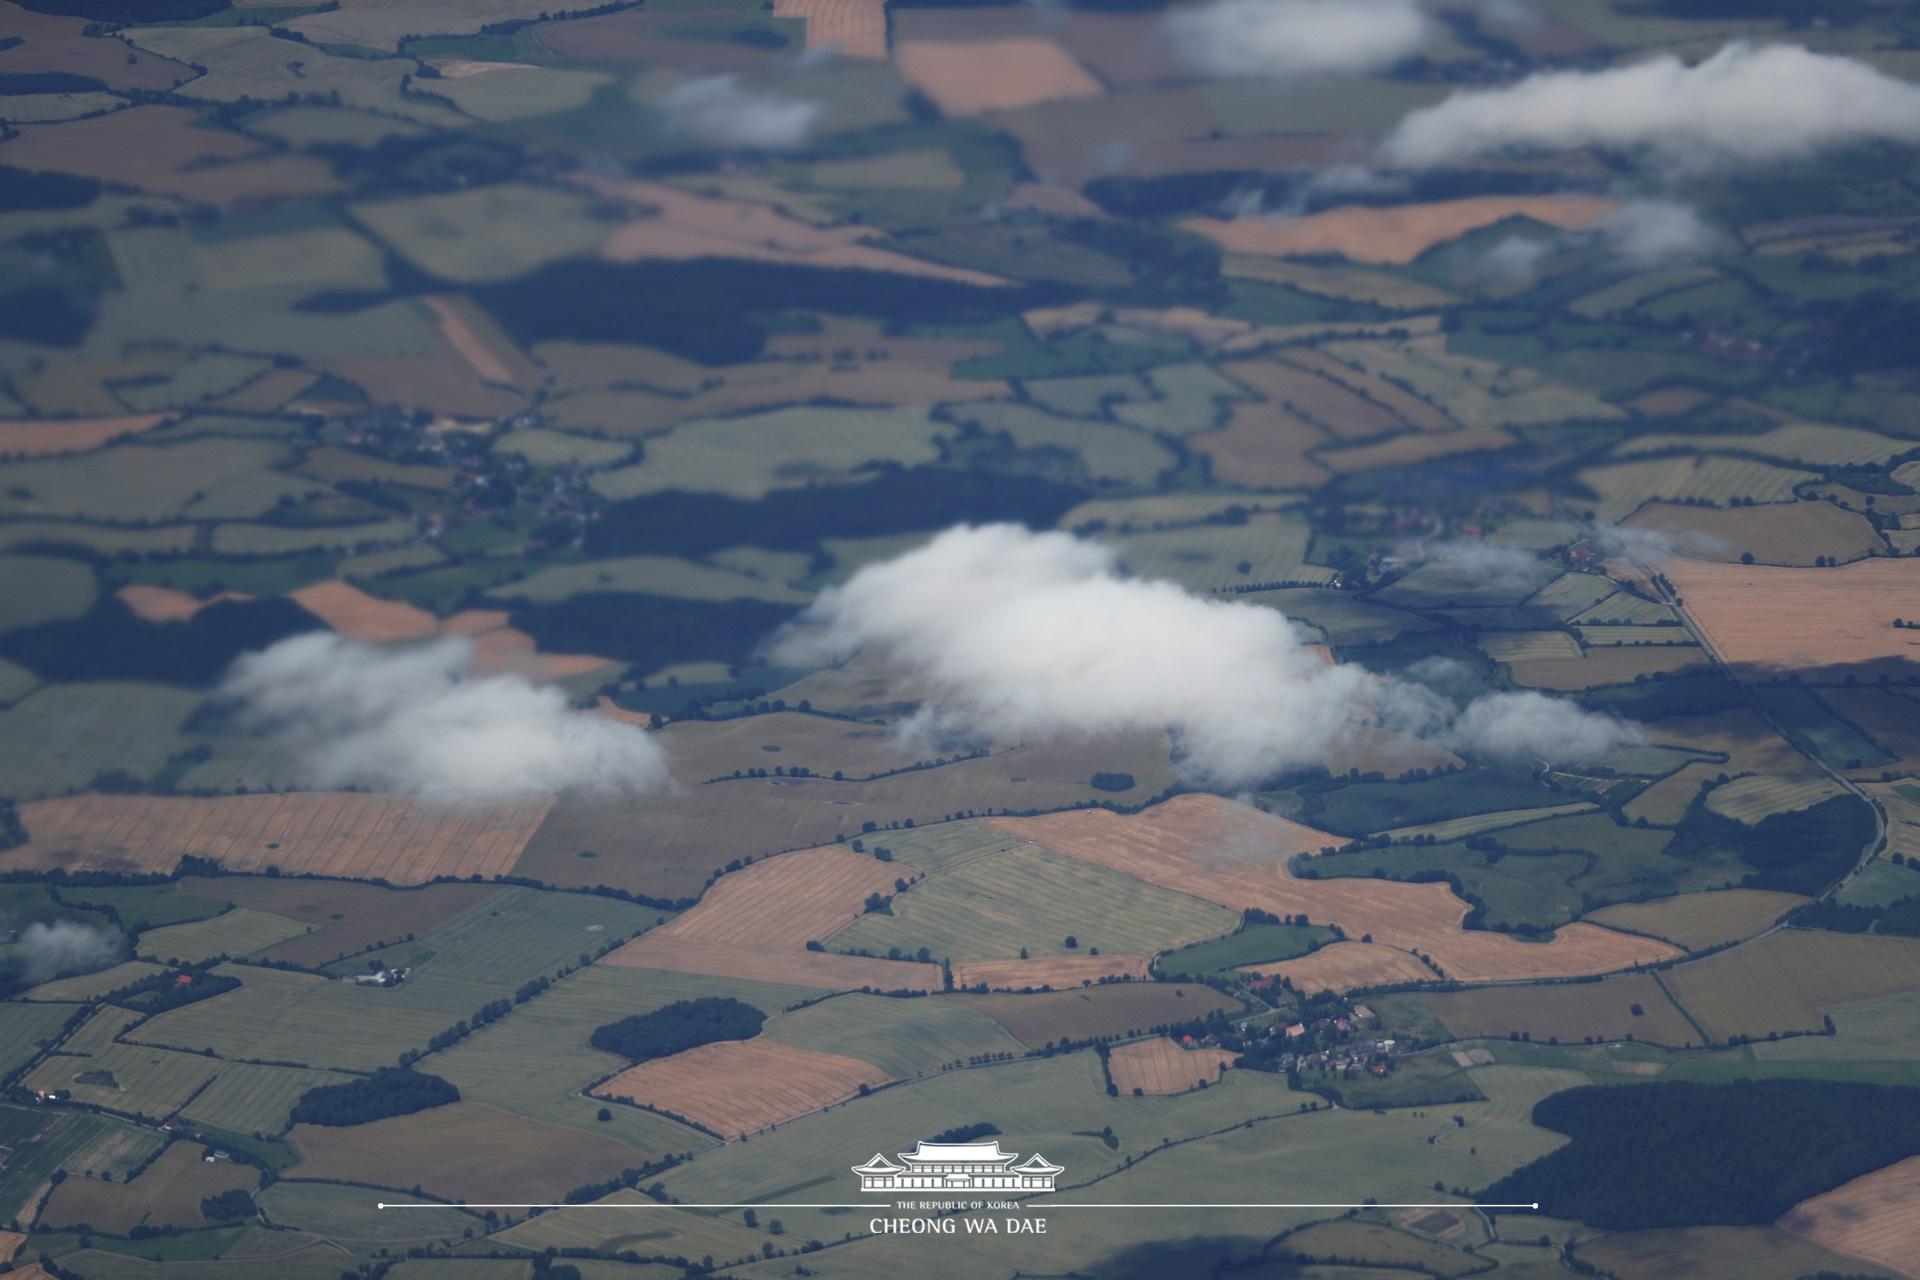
(957, 1166)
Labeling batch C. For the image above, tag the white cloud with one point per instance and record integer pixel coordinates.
(1465, 563)
(722, 112)
(1652, 233)
(46, 951)
(1531, 728)
(1515, 260)
(1244, 38)
(411, 720)
(1021, 636)
(1744, 104)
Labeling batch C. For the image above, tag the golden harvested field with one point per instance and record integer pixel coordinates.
(686, 225)
(1263, 446)
(166, 1193)
(1666, 801)
(968, 77)
(1116, 1009)
(756, 923)
(1618, 664)
(1398, 234)
(1346, 965)
(1571, 1011)
(852, 28)
(1779, 533)
(1160, 1065)
(1876, 1216)
(1057, 972)
(1782, 982)
(461, 1151)
(737, 1087)
(1235, 855)
(33, 439)
(349, 835)
(1415, 447)
(1770, 618)
(1759, 795)
(359, 616)
(1700, 920)
(164, 604)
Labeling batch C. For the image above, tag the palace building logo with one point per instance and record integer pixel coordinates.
(958, 1167)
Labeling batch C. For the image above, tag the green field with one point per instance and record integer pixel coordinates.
(1029, 900)
(40, 1140)
(1251, 944)
(904, 1038)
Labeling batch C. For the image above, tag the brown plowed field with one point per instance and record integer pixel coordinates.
(359, 616)
(1235, 855)
(1774, 618)
(1875, 1217)
(1161, 1066)
(1398, 234)
(164, 604)
(1058, 972)
(738, 1087)
(343, 834)
(756, 923)
(855, 28)
(70, 435)
(1346, 965)
(971, 76)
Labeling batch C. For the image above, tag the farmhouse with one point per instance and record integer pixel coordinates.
(957, 1166)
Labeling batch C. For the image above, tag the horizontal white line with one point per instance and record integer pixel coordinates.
(637, 1205)
(1028, 1204)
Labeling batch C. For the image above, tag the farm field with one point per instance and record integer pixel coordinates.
(1029, 900)
(1765, 1253)
(166, 1193)
(1123, 1008)
(346, 1214)
(462, 1151)
(1870, 1217)
(1785, 981)
(239, 932)
(740, 1087)
(1397, 235)
(900, 1038)
(1698, 921)
(40, 1141)
(1795, 533)
(339, 834)
(1763, 618)
(1569, 1013)
(250, 1098)
(756, 923)
(1160, 1065)
(1754, 797)
(1236, 855)
(343, 917)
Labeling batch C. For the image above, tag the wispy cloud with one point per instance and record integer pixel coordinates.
(1017, 635)
(412, 720)
(1745, 104)
(43, 952)
(1246, 38)
(719, 111)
